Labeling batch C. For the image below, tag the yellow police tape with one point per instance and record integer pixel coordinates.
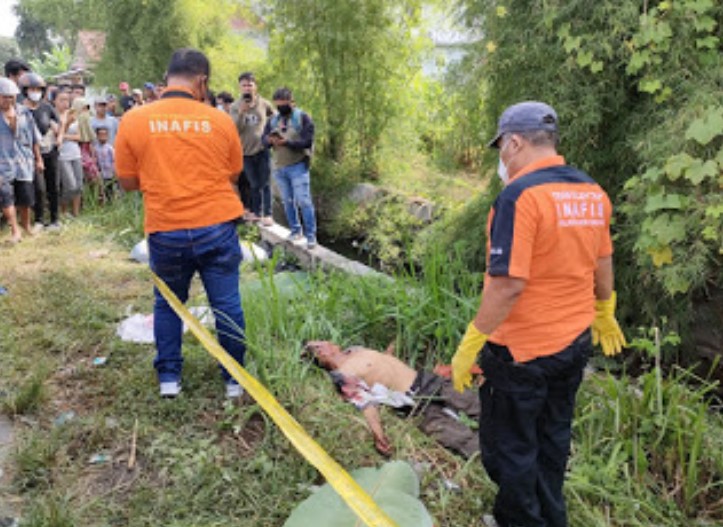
(349, 490)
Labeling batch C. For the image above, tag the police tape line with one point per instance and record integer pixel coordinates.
(349, 490)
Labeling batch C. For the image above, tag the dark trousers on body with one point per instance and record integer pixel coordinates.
(47, 185)
(439, 404)
(258, 175)
(525, 431)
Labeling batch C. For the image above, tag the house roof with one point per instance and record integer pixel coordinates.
(88, 49)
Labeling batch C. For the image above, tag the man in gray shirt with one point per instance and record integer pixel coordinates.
(251, 113)
(103, 119)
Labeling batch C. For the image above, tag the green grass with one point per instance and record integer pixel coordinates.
(204, 462)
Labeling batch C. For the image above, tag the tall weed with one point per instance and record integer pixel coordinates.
(646, 448)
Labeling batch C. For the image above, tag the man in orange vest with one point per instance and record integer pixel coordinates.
(549, 278)
(184, 155)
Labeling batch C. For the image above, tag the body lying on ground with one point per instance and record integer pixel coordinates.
(367, 378)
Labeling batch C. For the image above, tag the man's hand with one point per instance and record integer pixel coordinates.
(276, 140)
(465, 358)
(383, 446)
(39, 165)
(605, 328)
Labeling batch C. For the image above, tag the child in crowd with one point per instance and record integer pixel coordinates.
(105, 154)
(81, 108)
(69, 155)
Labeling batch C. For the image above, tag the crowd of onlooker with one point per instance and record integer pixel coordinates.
(57, 149)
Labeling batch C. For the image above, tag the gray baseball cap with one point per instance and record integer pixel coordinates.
(525, 116)
(8, 87)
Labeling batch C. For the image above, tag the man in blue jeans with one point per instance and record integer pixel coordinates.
(290, 133)
(184, 155)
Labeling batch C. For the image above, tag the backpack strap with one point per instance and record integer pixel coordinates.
(296, 120)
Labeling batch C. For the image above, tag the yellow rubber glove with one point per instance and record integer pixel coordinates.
(466, 355)
(605, 329)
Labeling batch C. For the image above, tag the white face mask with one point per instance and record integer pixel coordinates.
(35, 96)
(502, 168)
(502, 172)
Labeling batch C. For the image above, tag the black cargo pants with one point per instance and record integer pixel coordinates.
(525, 430)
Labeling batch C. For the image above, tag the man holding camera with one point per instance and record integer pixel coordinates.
(250, 113)
(291, 135)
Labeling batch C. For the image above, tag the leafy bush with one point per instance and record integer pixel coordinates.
(637, 90)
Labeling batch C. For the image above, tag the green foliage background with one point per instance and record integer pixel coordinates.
(638, 89)
(637, 86)
(351, 65)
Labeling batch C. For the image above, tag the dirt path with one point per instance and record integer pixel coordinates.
(7, 435)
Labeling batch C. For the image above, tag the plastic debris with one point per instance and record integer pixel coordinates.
(137, 328)
(451, 485)
(3, 291)
(99, 361)
(204, 314)
(139, 253)
(252, 252)
(64, 418)
(98, 459)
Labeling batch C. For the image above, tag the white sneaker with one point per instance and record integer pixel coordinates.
(489, 520)
(170, 389)
(53, 227)
(37, 228)
(234, 390)
(295, 237)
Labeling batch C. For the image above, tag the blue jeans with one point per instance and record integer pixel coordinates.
(175, 256)
(256, 172)
(295, 186)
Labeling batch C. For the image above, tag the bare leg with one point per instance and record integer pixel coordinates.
(9, 213)
(24, 213)
(76, 205)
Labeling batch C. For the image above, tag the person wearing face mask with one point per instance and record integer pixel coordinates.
(548, 298)
(20, 158)
(184, 156)
(32, 86)
(291, 136)
(224, 100)
(251, 112)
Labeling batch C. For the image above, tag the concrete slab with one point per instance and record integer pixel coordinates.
(319, 257)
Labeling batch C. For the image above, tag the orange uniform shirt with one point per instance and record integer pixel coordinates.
(549, 226)
(184, 154)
